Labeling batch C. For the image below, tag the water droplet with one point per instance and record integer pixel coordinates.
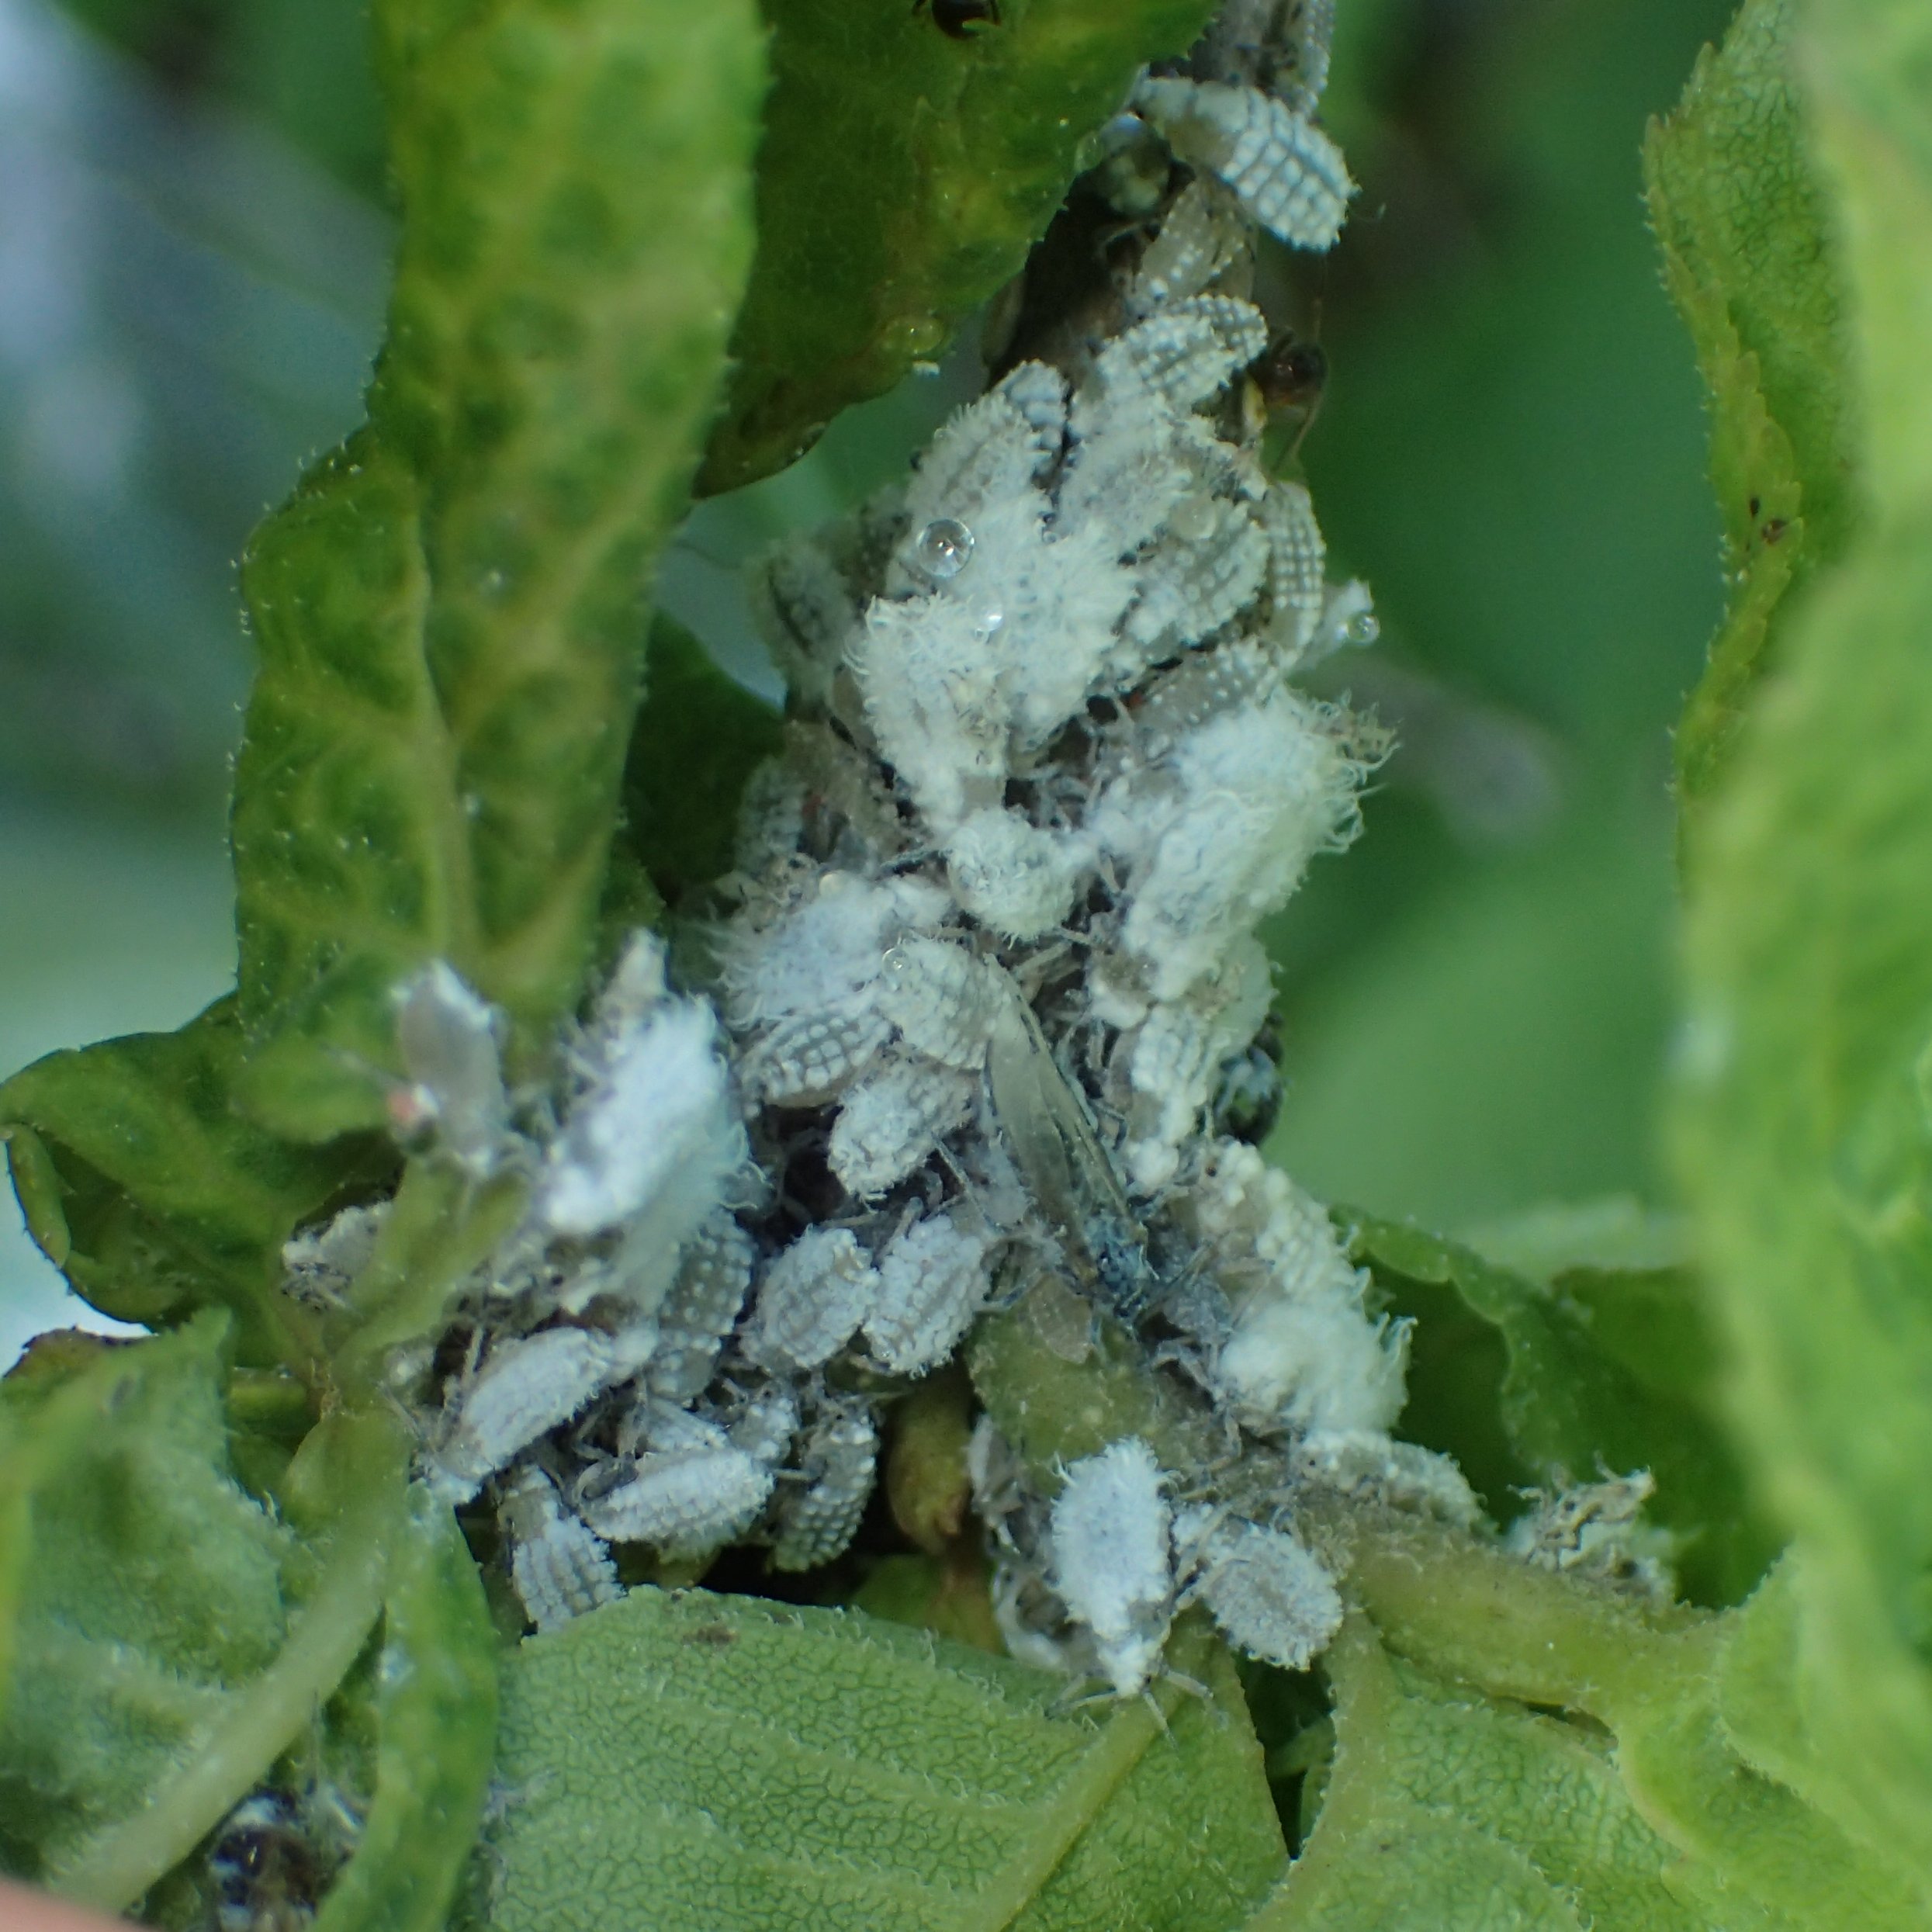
(1193, 517)
(921, 336)
(1364, 628)
(897, 962)
(944, 548)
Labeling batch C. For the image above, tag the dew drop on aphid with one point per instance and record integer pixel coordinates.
(1192, 517)
(1364, 628)
(989, 621)
(898, 962)
(944, 548)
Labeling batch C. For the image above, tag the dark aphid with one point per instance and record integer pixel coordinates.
(1248, 1100)
(960, 19)
(1291, 375)
(267, 1874)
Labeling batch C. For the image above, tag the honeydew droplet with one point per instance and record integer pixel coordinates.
(944, 548)
(1364, 628)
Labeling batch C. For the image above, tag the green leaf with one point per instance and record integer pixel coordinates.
(903, 176)
(1869, 74)
(156, 1660)
(1743, 225)
(156, 1197)
(688, 1760)
(437, 1714)
(161, 1659)
(1644, 1690)
(1804, 1136)
(449, 611)
(1603, 1369)
(698, 737)
(1446, 1809)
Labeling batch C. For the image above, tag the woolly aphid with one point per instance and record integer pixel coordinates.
(966, 1001)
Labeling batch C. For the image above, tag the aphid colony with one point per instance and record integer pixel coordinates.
(979, 1005)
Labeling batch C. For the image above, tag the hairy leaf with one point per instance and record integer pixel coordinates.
(1744, 226)
(155, 1197)
(783, 1767)
(161, 1661)
(904, 175)
(1805, 1138)
(1644, 1689)
(1446, 1809)
(1604, 1369)
(449, 610)
(437, 1713)
(148, 1584)
(698, 737)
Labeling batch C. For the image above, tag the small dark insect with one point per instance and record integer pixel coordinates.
(960, 19)
(714, 1637)
(1291, 375)
(266, 1872)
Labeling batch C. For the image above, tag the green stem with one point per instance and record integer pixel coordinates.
(1468, 1610)
(440, 1227)
(119, 1865)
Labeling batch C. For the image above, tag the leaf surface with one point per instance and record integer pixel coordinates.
(1805, 1137)
(903, 176)
(1743, 224)
(1603, 1369)
(436, 1713)
(1638, 1810)
(156, 1197)
(1447, 1809)
(449, 610)
(783, 1766)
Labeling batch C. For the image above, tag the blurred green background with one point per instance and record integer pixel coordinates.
(192, 254)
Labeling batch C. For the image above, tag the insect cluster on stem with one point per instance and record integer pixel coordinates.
(981, 998)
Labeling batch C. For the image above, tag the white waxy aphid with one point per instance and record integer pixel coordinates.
(704, 1303)
(1288, 175)
(558, 1563)
(941, 998)
(933, 699)
(1596, 1528)
(1301, 1352)
(932, 1282)
(806, 1059)
(1296, 594)
(1269, 1594)
(1205, 684)
(771, 819)
(1017, 879)
(1204, 573)
(812, 1299)
(1174, 361)
(1281, 46)
(822, 950)
(803, 609)
(1173, 1064)
(1200, 238)
(893, 1119)
(320, 1263)
(766, 1425)
(1348, 618)
(654, 1130)
(990, 450)
(1114, 1560)
(450, 1043)
(1366, 1464)
(524, 1389)
(818, 1518)
(683, 1502)
(1248, 798)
